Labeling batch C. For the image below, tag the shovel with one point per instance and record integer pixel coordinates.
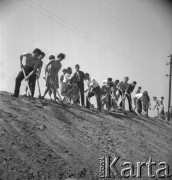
(39, 96)
(30, 94)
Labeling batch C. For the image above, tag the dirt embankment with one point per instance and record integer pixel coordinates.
(46, 141)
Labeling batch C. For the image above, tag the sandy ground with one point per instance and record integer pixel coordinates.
(48, 141)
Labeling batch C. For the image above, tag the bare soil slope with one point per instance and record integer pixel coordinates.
(43, 141)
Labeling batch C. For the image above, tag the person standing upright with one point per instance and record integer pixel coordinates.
(79, 79)
(55, 67)
(47, 77)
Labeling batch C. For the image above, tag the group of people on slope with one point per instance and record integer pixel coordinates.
(72, 86)
(112, 90)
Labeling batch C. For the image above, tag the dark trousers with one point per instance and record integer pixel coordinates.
(121, 94)
(95, 92)
(20, 77)
(139, 106)
(81, 90)
(129, 101)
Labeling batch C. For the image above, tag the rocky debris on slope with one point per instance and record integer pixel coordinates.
(57, 142)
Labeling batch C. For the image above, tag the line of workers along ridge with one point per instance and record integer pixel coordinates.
(72, 86)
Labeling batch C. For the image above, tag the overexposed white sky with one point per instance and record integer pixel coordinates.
(108, 38)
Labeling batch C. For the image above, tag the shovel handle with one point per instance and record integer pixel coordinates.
(26, 81)
(38, 87)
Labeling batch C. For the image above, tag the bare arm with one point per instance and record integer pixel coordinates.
(21, 59)
(39, 72)
(34, 71)
(46, 67)
(89, 88)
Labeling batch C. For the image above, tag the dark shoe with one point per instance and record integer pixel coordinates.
(14, 95)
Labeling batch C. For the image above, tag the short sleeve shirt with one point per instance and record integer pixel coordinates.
(30, 61)
(92, 82)
(106, 89)
(123, 86)
(159, 102)
(139, 95)
(38, 64)
(66, 78)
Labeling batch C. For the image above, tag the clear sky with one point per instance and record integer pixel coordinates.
(108, 38)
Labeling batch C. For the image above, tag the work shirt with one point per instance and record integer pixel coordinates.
(92, 82)
(30, 61)
(138, 96)
(138, 91)
(159, 102)
(130, 88)
(38, 66)
(106, 89)
(145, 99)
(66, 78)
(123, 86)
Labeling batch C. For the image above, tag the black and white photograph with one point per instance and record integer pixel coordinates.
(85, 89)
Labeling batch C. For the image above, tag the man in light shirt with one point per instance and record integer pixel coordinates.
(138, 102)
(93, 90)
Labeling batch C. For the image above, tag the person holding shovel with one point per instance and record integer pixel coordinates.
(35, 74)
(53, 73)
(128, 94)
(33, 62)
(106, 95)
(38, 72)
(73, 91)
(145, 99)
(138, 102)
(93, 90)
(159, 106)
(122, 87)
(114, 95)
